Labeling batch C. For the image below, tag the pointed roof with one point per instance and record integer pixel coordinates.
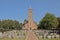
(30, 7)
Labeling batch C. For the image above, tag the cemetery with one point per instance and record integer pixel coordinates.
(47, 29)
(14, 34)
(47, 34)
(29, 20)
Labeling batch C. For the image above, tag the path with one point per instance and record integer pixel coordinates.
(31, 35)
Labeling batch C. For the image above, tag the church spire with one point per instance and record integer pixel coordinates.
(30, 7)
(31, 24)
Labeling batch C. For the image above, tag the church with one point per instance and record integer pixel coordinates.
(30, 24)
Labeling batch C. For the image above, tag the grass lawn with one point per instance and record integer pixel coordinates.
(24, 39)
(49, 39)
(13, 39)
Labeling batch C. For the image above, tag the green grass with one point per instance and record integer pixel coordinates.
(49, 39)
(24, 39)
(12, 39)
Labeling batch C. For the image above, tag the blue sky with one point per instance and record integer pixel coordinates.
(18, 9)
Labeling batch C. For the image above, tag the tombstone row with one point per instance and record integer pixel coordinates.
(46, 34)
(13, 34)
(49, 36)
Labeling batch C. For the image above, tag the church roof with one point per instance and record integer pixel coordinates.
(30, 7)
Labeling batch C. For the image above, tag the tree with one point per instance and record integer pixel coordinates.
(48, 22)
(59, 23)
(6, 25)
(25, 21)
(17, 25)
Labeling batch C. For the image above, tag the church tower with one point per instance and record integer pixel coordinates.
(31, 24)
(30, 17)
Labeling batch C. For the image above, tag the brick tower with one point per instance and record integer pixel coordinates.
(31, 24)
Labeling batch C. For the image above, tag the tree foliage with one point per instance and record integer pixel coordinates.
(58, 23)
(48, 22)
(10, 25)
(25, 21)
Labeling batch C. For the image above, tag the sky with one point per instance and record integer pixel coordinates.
(18, 9)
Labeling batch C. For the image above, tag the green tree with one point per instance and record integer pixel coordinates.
(17, 25)
(48, 22)
(6, 25)
(25, 21)
(59, 23)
